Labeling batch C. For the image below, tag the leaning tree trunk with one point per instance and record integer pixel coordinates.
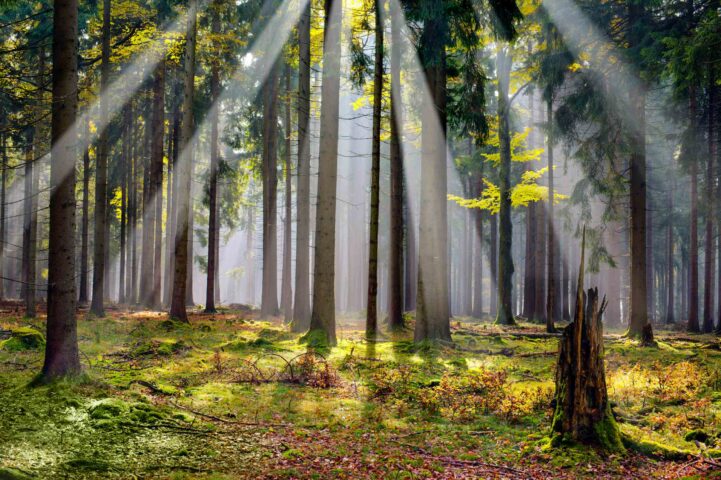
(583, 412)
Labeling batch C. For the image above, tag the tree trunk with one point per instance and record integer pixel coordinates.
(693, 317)
(670, 304)
(395, 254)
(432, 314)
(28, 262)
(210, 284)
(639, 326)
(269, 300)
(710, 251)
(323, 312)
(183, 172)
(551, 310)
(3, 212)
(504, 315)
(124, 206)
(101, 175)
(478, 215)
(171, 209)
(154, 214)
(372, 299)
(301, 302)
(286, 294)
(583, 411)
(61, 348)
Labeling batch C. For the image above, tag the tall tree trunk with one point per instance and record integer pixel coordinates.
(323, 312)
(189, 302)
(286, 294)
(504, 315)
(28, 262)
(670, 304)
(213, 179)
(693, 316)
(529, 272)
(61, 348)
(154, 214)
(551, 310)
(183, 168)
(395, 254)
(301, 302)
(478, 263)
(171, 209)
(411, 257)
(269, 296)
(3, 212)
(710, 251)
(493, 264)
(124, 204)
(101, 175)
(565, 293)
(639, 326)
(432, 308)
(372, 299)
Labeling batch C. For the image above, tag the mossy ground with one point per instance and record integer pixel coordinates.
(229, 396)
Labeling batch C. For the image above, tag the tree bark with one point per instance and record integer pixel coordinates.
(710, 251)
(639, 326)
(183, 169)
(286, 294)
(551, 307)
(101, 175)
(670, 304)
(395, 254)
(61, 348)
(504, 315)
(301, 302)
(213, 240)
(372, 298)
(432, 306)
(323, 312)
(693, 317)
(583, 411)
(29, 225)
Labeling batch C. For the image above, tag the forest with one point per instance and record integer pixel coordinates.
(346, 239)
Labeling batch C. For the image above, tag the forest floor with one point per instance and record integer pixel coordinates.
(229, 396)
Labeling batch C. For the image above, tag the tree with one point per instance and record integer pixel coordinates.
(61, 348)
(269, 298)
(183, 168)
(372, 300)
(505, 259)
(301, 302)
(582, 409)
(213, 222)
(286, 294)
(101, 175)
(323, 311)
(432, 314)
(395, 260)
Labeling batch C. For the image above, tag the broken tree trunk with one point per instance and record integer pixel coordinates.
(583, 413)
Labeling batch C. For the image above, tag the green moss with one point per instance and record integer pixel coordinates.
(696, 435)
(655, 449)
(608, 434)
(23, 338)
(7, 473)
(107, 408)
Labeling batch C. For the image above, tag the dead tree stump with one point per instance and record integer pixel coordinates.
(583, 413)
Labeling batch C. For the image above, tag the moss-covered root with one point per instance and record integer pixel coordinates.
(655, 449)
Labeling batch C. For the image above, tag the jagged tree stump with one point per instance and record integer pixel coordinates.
(583, 413)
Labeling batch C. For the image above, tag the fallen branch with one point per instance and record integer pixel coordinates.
(228, 422)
